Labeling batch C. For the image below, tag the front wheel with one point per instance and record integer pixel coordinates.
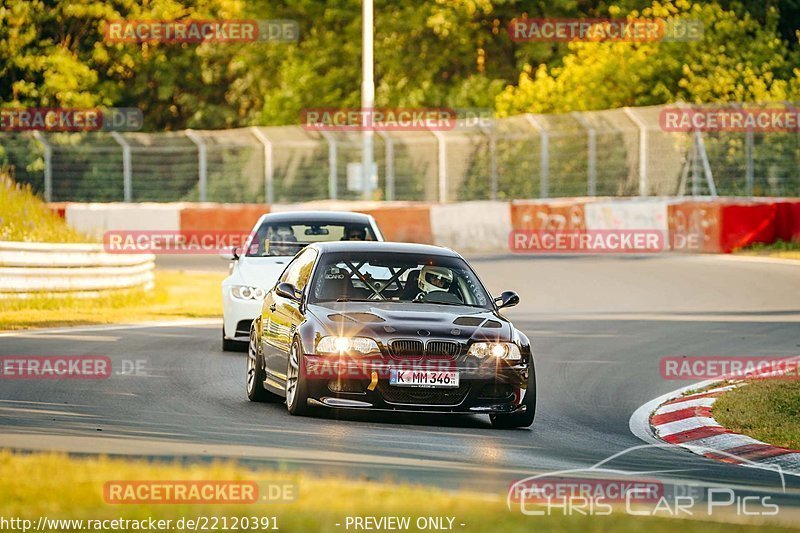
(296, 385)
(525, 418)
(255, 372)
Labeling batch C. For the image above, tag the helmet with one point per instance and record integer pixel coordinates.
(435, 278)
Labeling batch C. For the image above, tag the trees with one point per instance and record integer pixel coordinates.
(443, 52)
(738, 59)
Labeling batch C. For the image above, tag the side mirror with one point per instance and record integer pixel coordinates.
(287, 290)
(507, 299)
(231, 255)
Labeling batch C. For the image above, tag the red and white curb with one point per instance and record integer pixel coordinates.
(686, 421)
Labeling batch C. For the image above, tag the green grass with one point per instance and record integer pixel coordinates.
(57, 486)
(176, 295)
(765, 409)
(25, 217)
(778, 249)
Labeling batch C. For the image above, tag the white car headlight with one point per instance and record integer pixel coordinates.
(245, 292)
(333, 345)
(500, 350)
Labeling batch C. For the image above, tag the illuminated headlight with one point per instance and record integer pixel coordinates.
(244, 292)
(499, 350)
(340, 345)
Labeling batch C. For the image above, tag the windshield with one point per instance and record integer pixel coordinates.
(288, 238)
(397, 277)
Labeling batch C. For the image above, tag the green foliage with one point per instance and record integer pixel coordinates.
(442, 52)
(25, 218)
(738, 59)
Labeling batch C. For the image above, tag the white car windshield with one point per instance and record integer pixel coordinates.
(288, 238)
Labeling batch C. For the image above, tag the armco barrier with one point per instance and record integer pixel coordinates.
(787, 221)
(96, 219)
(221, 217)
(695, 226)
(81, 269)
(399, 221)
(541, 215)
(745, 224)
(704, 225)
(471, 226)
(634, 214)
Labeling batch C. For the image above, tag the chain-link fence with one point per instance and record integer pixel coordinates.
(620, 152)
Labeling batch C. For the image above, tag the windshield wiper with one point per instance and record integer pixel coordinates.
(348, 299)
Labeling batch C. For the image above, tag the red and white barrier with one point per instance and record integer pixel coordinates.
(718, 225)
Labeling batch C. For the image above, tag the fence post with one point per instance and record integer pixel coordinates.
(489, 132)
(48, 165)
(642, 149)
(202, 164)
(127, 180)
(388, 144)
(268, 171)
(544, 155)
(332, 172)
(441, 151)
(591, 153)
(749, 170)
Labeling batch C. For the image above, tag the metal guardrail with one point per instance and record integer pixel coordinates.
(84, 270)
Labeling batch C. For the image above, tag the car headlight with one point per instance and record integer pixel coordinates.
(332, 344)
(245, 292)
(500, 350)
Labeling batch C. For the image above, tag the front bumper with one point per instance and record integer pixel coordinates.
(236, 313)
(493, 387)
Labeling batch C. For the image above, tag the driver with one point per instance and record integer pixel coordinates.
(354, 233)
(434, 278)
(281, 241)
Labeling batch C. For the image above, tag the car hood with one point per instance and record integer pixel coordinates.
(261, 271)
(411, 320)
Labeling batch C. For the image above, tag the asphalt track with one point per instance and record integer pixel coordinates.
(599, 326)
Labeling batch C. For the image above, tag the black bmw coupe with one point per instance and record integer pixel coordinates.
(393, 327)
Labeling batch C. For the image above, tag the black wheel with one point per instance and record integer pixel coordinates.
(525, 418)
(296, 384)
(255, 373)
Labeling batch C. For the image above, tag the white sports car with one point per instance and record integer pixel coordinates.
(273, 242)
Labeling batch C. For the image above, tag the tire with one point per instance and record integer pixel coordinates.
(525, 418)
(254, 379)
(296, 384)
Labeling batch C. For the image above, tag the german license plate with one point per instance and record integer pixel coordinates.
(423, 378)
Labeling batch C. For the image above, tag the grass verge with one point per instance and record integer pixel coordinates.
(24, 217)
(58, 487)
(765, 409)
(779, 250)
(176, 295)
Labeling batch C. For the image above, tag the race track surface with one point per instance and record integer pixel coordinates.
(599, 326)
